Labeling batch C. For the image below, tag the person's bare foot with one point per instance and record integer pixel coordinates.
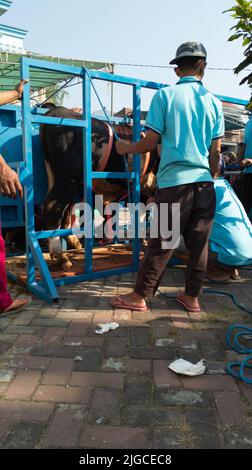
(17, 305)
(235, 275)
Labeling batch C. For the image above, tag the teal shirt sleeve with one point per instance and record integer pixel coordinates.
(219, 127)
(157, 113)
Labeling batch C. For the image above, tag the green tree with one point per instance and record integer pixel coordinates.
(58, 97)
(242, 12)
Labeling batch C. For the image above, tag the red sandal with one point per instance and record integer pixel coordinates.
(118, 302)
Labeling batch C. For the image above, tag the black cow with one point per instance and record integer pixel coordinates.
(63, 149)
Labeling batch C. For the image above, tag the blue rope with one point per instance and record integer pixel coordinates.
(242, 366)
(234, 334)
(233, 340)
(218, 293)
(238, 304)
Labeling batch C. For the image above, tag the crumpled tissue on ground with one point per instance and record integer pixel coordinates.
(105, 327)
(180, 366)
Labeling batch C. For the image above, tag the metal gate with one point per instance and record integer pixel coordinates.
(46, 288)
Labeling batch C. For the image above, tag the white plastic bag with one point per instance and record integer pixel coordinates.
(180, 366)
(105, 327)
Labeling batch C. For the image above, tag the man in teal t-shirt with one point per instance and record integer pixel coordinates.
(246, 163)
(189, 120)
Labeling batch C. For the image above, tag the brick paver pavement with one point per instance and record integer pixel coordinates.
(63, 386)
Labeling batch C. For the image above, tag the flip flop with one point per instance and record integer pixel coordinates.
(187, 307)
(118, 302)
(16, 310)
(213, 281)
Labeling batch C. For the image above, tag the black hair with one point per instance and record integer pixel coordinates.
(189, 63)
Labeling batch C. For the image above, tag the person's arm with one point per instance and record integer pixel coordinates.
(12, 95)
(144, 145)
(9, 181)
(241, 151)
(217, 134)
(214, 157)
(245, 162)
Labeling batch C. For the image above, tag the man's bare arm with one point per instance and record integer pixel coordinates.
(244, 162)
(9, 181)
(214, 157)
(241, 152)
(144, 145)
(12, 95)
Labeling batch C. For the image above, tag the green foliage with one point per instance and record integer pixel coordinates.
(57, 98)
(242, 12)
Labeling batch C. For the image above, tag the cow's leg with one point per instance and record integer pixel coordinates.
(72, 240)
(54, 209)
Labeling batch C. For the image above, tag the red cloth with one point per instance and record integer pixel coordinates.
(5, 298)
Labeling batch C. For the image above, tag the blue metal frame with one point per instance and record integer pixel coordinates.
(46, 288)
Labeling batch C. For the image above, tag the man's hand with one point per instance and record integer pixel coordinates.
(246, 162)
(9, 182)
(20, 87)
(123, 147)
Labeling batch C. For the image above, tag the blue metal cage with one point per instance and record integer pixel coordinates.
(46, 289)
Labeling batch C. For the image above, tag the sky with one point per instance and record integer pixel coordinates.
(143, 32)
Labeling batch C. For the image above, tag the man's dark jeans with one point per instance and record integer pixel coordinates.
(198, 203)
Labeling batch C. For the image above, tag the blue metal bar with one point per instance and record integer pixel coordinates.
(42, 267)
(94, 275)
(113, 175)
(152, 85)
(87, 166)
(10, 224)
(228, 99)
(17, 165)
(56, 233)
(98, 75)
(41, 293)
(136, 168)
(36, 288)
(41, 119)
(27, 158)
(41, 64)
